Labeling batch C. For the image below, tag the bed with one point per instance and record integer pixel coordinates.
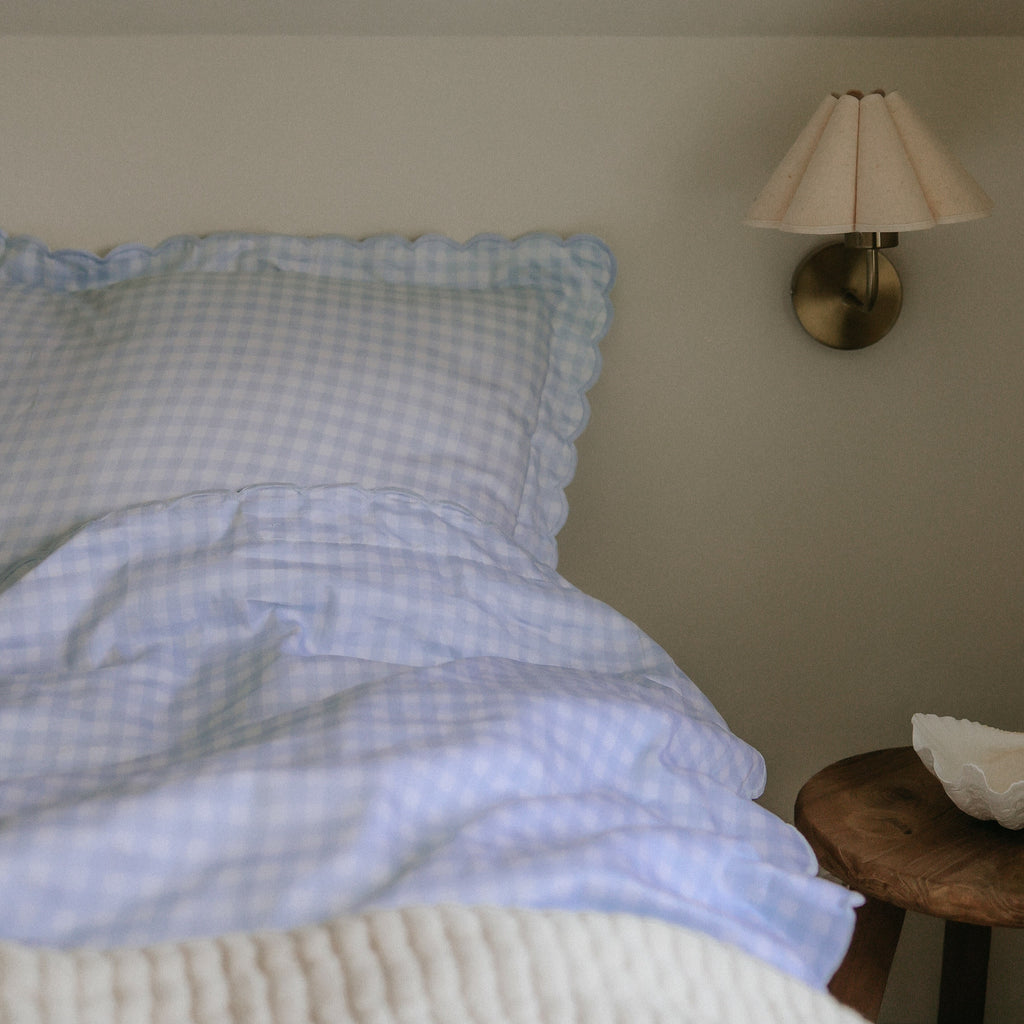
(298, 720)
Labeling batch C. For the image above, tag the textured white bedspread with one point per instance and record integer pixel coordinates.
(443, 964)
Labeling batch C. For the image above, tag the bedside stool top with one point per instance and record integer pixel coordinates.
(882, 823)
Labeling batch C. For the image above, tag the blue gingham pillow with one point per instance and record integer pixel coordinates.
(456, 371)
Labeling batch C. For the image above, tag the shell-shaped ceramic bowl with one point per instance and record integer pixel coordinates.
(980, 768)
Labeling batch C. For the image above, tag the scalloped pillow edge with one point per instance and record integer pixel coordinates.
(428, 260)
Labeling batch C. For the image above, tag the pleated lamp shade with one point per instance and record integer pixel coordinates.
(867, 164)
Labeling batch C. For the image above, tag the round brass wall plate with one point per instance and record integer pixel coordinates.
(822, 288)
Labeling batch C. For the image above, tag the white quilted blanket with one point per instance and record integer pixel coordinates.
(430, 965)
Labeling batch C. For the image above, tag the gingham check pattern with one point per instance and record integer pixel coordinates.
(456, 372)
(262, 709)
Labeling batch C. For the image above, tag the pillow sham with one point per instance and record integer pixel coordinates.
(454, 371)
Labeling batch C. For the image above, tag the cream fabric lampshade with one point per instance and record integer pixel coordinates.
(867, 164)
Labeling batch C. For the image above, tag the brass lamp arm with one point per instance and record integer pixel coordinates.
(870, 242)
(848, 295)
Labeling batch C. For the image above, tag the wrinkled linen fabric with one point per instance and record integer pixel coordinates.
(262, 709)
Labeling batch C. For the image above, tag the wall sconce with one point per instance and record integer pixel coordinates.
(868, 168)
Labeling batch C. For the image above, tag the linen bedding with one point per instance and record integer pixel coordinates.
(283, 648)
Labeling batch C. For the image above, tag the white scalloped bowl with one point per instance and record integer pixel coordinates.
(980, 768)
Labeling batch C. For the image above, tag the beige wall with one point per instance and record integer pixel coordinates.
(826, 542)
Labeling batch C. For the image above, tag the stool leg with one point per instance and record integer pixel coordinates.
(965, 949)
(860, 981)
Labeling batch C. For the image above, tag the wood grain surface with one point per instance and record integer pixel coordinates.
(883, 824)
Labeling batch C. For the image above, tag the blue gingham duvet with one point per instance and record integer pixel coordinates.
(262, 708)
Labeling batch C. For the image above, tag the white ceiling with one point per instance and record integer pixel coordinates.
(516, 17)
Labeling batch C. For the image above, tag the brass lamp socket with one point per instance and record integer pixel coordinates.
(871, 239)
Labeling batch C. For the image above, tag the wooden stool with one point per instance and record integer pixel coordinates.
(882, 824)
